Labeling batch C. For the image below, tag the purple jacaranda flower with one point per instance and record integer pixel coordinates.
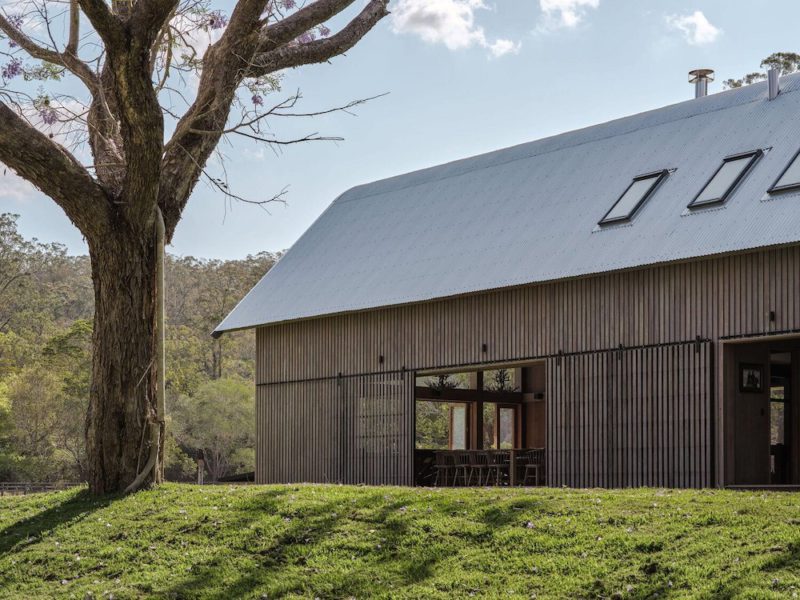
(12, 68)
(258, 100)
(16, 23)
(48, 115)
(288, 4)
(323, 31)
(216, 20)
(305, 38)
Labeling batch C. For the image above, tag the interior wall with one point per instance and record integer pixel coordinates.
(751, 462)
(534, 392)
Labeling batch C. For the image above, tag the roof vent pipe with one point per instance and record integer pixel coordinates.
(774, 77)
(700, 78)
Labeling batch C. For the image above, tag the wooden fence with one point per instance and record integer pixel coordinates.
(22, 488)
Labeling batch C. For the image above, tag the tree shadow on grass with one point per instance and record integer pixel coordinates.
(279, 565)
(514, 510)
(788, 560)
(75, 508)
(405, 560)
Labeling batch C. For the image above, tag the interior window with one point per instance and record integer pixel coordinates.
(500, 380)
(441, 425)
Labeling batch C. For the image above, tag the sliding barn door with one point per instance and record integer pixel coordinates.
(631, 417)
(297, 433)
(377, 429)
(346, 430)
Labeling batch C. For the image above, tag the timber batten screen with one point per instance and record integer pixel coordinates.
(337, 430)
(631, 417)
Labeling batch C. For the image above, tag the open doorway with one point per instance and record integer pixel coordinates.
(780, 414)
(478, 415)
(762, 399)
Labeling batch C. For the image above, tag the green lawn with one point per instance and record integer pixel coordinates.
(339, 542)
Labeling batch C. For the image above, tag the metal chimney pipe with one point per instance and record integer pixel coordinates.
(701, 78)
(774, 77)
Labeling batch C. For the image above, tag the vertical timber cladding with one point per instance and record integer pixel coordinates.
(338, 430)
(712, 298)
(631, 417)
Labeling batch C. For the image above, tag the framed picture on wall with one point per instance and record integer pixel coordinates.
(751, 378)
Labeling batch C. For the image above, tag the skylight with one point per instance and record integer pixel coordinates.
(790, 178)
(632, 199)
(725, 180)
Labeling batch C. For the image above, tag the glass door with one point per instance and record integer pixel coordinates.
(506, 427)
(499, 426)
(458, 427)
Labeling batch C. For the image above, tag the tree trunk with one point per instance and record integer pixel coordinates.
(122, 402)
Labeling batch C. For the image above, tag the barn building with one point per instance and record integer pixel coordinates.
(624, 297)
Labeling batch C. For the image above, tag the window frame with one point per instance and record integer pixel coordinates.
(659, 177)
(775, 188)
(753, 155)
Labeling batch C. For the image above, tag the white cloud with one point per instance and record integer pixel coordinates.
(501, 47)
(14, 188)
(565, 13)
(695, 27)
(257, 154)
(447, 22)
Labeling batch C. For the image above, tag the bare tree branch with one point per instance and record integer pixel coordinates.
(53, 170)
(150, 16)
(294, 55)
(105, 23)
(74, 28)
(226, 65)
(298, 23)
(279, 111)
(222, 186)
(311, 137)
(68, 60)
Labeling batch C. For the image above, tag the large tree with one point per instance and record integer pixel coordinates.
(125, 57)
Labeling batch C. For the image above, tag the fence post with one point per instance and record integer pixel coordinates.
(200, 470)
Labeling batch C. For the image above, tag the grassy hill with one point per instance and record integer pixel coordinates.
(364, 542)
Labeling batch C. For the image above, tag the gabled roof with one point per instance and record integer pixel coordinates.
(529, 213)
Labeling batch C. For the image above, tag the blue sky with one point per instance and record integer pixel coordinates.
(463, 77)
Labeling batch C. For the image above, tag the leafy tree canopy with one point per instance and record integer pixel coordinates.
(785, 62)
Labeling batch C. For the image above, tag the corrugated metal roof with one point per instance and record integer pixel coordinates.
(529, 213)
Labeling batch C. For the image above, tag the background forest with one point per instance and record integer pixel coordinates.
(46, 308)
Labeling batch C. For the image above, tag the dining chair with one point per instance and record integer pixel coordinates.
(443, 465)
(461, 467)
(498, 466)
(535, 466)
(478, 466)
